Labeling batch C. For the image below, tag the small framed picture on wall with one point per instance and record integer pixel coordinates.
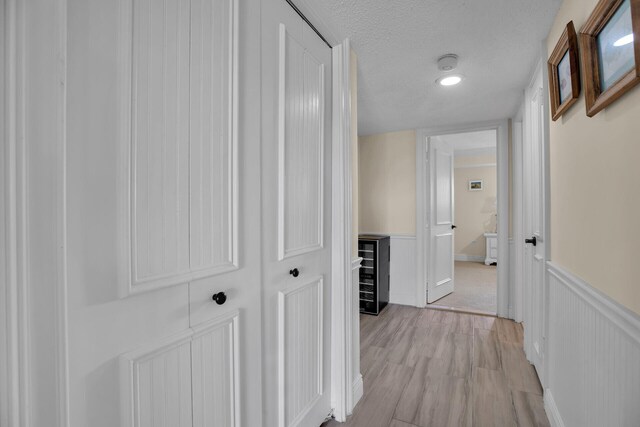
(564, 73)
(475, 185)
(610, 49)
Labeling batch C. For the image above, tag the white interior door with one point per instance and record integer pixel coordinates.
(441, 228)
(296, 185)
(162, 195)
(534, 223)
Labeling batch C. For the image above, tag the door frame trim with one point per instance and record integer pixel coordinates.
(22, 172)
(341, 233)
(422, 206)
(14, 360)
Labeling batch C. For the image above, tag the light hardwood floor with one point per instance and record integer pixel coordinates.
(430, 368)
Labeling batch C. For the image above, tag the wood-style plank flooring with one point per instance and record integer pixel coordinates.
(429, 368)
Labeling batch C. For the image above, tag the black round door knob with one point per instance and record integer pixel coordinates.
(220, 298)
(294, 272)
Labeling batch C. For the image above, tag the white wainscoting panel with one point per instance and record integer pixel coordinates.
(216, 399)
(593, 356)
(402, 281)
(178, 144)
(157, 385)
(300, 149)
(300, 320)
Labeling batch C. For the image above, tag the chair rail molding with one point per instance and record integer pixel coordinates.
(341, 275)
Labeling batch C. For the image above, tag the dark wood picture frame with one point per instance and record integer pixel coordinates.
(595, 98)
(567, 44)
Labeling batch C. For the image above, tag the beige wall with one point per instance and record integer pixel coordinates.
(595, 198)
(474, 210)
(388, 183)
(353, 79)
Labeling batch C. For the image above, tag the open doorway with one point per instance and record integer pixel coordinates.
(460, 162)
(475, 209)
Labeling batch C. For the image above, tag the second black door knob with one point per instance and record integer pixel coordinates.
(220, 298)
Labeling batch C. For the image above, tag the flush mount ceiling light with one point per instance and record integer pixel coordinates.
(451, 80)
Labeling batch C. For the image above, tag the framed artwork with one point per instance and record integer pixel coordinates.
(475, 185)
(564, 73)
(610, 52)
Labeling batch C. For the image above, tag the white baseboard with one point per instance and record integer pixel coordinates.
(357, 390)
(472, 258)
(552, 410)
(592, 355)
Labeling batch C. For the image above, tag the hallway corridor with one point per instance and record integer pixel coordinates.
(428, 368)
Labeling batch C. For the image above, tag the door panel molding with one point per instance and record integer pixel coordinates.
(156, 382)
(215, 364)
(300, 350)
(172, 230)
(170, 378)
(443, 164)
(300, 154)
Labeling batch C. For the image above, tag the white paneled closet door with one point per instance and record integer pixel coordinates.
(162, 189)
(296, 200)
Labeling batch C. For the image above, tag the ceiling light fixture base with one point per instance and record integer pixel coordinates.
(448, 62)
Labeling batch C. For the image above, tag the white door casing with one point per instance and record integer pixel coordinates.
(345, 325)
(534, 222)
(441, 256)
(296, 196)
(423, 207)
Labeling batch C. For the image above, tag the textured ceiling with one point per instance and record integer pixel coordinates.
(399, 41)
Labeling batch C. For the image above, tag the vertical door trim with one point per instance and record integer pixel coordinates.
(341, 270)
(423, 192)
(517, 218)
(20, 170)
(14, 360)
